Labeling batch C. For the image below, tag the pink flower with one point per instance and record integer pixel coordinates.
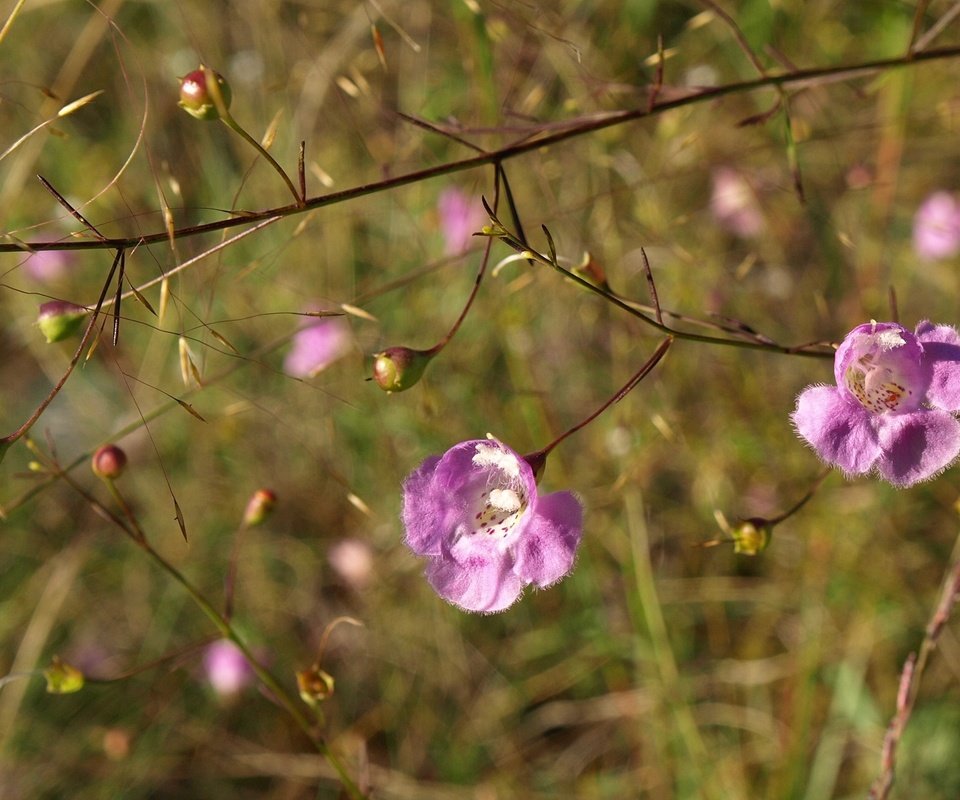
(475, 513)
(936, 227)
(227, 668)
(46, 266)
(317, 346)
(734, 204)
(460, 217)
(352, 560)
(892, 408)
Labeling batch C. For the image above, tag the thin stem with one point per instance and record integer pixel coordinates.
(476, 283)
(650, 363)
(568, 130)
(9, 439)
(131, 527)
(213, 90)
(521, 247)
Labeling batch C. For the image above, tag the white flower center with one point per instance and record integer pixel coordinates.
(503, 503)
(876, 383)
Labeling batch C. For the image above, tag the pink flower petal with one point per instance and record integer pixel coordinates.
(917, 446)
(838, 430)
(550, 540)
(941, 346)
(483, 585)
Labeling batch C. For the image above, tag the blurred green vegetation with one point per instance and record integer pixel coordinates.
(659, 668)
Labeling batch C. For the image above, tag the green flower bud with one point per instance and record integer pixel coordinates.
(59, 319)
(196, 95)
(396, 369)
(751, 536)
(108, 462)
(259, 506)
(62, 678)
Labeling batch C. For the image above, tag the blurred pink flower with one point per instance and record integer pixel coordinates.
(317, 346)
(352, 560)
(226, 667)
(734, 205)
(47, 265)
(460, 217)
(936, 227)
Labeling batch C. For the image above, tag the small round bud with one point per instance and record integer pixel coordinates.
(259, 507)
(396, 369)
(751, 536)
(196, 94)
(108, 462)
(59, 319)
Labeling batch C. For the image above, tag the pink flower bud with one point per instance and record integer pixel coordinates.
(196, 97)
(108, 462)
(59, 319)
(396, 369)
(259, 507)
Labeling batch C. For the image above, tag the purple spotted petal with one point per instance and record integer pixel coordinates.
(917, 446)
(549, 544)
(485, 585)
(941, 346)
(837, 429)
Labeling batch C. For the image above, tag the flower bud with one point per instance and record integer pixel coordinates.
(314, 685)
(196, 97)
(62, 678)
(108, 462)
(396, 369)
(259, 507)
(59, 319)
(751, 536)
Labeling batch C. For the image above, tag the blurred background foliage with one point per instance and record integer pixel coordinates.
(659, 668)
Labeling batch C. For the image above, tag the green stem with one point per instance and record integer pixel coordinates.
(231, 123)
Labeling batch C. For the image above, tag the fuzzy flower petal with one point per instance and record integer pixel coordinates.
(841, 434)
(916, 447)
(485, 585)
(941, 345)
(476, 514)
(548, 549)
(891, 407)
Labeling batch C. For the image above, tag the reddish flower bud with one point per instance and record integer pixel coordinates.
(196, 96)
(259, 507)
(314, 685)
(59, 319)
(108, 462)
(396, 369)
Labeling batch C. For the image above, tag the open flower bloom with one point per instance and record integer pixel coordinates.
(892, 408)
(475, 513)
